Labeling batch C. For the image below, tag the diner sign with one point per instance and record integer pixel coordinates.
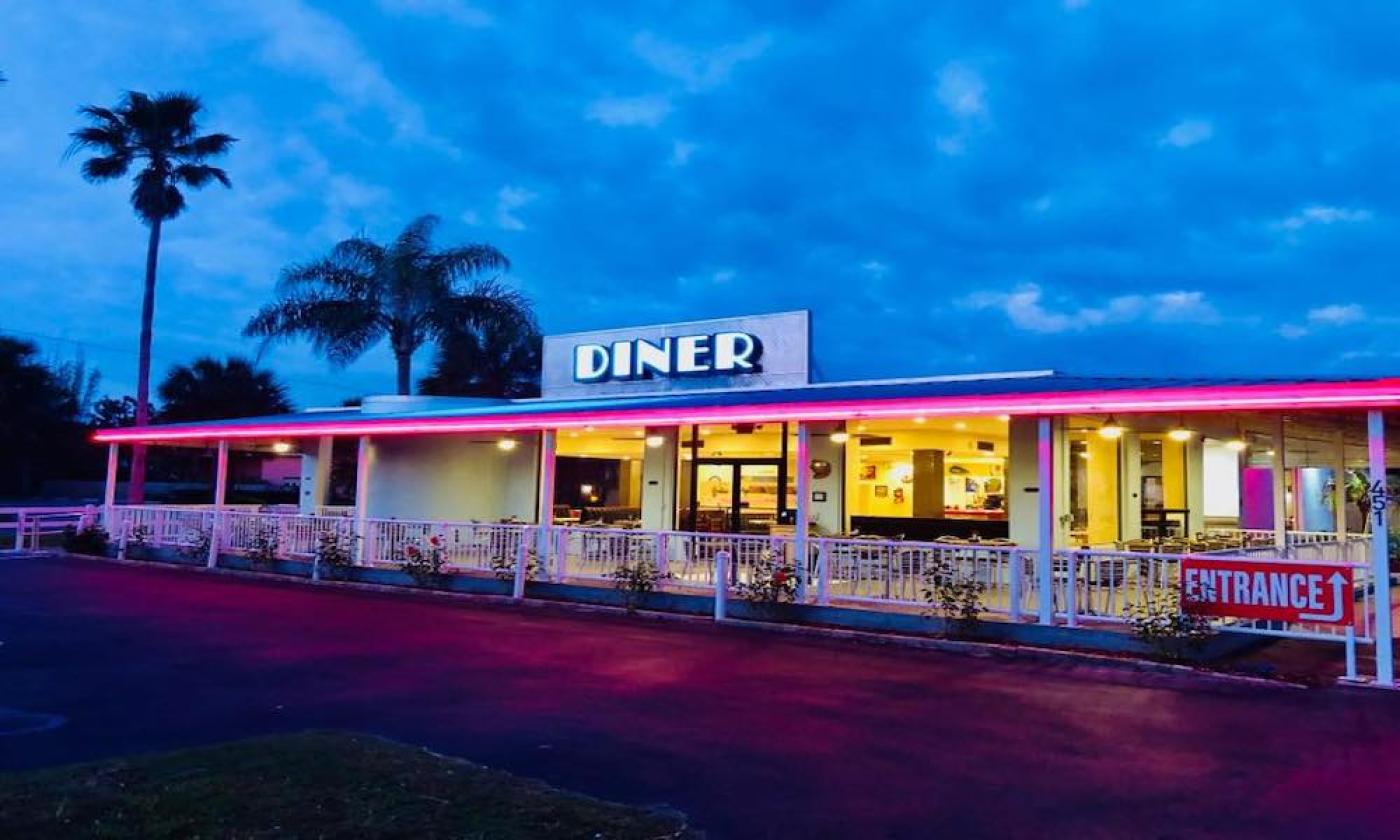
(1269, 590)
(751, 351)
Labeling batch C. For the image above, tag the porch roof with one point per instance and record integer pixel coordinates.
(1035, 393)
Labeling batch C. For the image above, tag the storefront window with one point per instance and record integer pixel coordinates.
(598, 476)
(920, 477)
(737, 478)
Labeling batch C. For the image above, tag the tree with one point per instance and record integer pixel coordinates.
(494, 360)
(160, 135)
(41, 430)
(208, 389)
(114, 413)
(408, 292)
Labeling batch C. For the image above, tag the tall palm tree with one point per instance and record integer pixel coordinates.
(408, 292)
(159, 135)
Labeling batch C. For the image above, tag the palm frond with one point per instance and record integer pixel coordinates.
(205, 146)
(105, 168)
(328, 277)
(470, 260)
(197, 175)
(342, 330)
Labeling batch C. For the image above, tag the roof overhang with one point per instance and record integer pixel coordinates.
(809, 406)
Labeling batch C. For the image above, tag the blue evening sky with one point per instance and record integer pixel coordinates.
(1099, 187)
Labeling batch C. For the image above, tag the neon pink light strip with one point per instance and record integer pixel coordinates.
(1375, 394)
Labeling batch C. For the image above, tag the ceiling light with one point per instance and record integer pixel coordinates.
(860, 428)
(506, 444)
(839, 437)
(960, 426)
(281, 447)
(1236, 445)
(1111, 430)
(921, 419)
(1005, 418)
(1180, 434)
(655, 441)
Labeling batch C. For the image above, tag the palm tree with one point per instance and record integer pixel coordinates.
(408, 292)
(160, 135)
(493, 360)
(208, 389)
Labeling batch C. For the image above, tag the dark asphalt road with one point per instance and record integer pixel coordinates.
(750, 733)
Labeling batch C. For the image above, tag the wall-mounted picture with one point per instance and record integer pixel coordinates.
(899, 495)
(867, 472)
(881, 491)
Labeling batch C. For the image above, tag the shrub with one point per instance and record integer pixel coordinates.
(503, 565)
(196, 544)
(92, 539)
(138, 540)
(1171, 632)
(635, 579)
(953, 596)
(423, 561)
(263, 548)
(772, 582)
(335, 552)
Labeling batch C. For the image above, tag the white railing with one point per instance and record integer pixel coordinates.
(1086, 586)
(162, 526)
(1108, 586)
(477, 546)
(890, 571)
(293, 536)
(32, 527)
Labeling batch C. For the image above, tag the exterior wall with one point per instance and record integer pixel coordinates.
(1130, 487)
(830, 516)
(454, 477)
(659, 481)
(1023, 480)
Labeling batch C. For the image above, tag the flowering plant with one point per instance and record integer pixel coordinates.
(423, 560)
(772, 581)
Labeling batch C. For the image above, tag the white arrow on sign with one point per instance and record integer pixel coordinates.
(1338, 580)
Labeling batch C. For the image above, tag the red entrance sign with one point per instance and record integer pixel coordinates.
(1272, 590)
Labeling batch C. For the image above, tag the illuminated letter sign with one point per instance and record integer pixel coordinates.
(717, 354)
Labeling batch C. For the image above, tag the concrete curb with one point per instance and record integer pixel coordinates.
(985, 650)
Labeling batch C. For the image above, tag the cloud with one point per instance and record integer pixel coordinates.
(698, 70)
(1321, 214)
(302, 40)
(645, 111)
(1187, 133)
(681, 150)
(1025, 307)
(962, 93)
(508, 200)
(1336, 315)
(454, 11)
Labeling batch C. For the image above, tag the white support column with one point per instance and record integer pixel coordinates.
(1339, 483)
(1278, 466)
(1380, 547)
(364, 460)
(1045, 520)
(216, 528)
(221, 476)
(545, 515)
(802, 518)
(316, 476)
(109, 491)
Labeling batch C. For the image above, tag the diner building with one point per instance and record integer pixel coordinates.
(1067, 494)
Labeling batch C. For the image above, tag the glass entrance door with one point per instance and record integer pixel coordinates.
(738, 497)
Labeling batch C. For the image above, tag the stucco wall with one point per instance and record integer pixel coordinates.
(454, 477)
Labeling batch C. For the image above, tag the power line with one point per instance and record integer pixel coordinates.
(163, 358)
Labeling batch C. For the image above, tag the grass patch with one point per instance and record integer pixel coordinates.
(316, 784)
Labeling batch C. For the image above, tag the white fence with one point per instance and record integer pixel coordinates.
(1086, 587)
(38, 527)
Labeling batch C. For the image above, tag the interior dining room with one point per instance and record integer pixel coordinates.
(927, 477)
(598, 475)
